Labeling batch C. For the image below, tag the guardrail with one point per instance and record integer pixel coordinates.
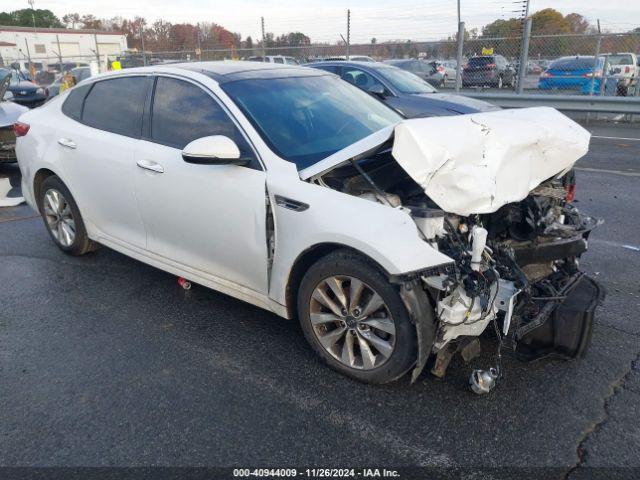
(574, 103)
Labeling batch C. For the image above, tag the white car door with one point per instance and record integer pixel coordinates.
(211, 218)
(97, 154)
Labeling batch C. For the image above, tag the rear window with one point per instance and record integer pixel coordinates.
(116, 105)
(72, 106)
(620, 60)
(571, 64)
(480, 61)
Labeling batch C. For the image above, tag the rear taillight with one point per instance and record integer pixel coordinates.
(571, 192)
(20, 129)
(546, 74)
(490, 65)
(627, 69)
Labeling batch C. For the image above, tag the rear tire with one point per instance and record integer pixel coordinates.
(62, 218)
(372, 345)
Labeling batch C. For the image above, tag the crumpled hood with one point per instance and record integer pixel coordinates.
(479, 162)
(457, 103)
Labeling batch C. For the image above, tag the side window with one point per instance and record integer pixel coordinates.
(183, 112)
(331, 68)
(359, 78)
(278, 60)
(115, 105)
(72, 106)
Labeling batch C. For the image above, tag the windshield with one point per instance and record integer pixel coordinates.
(16, 77)
(480, 61)
(306, 119)
(403, 81)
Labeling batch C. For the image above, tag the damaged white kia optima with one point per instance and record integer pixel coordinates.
(393, 241)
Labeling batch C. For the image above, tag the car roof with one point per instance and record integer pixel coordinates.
(352, 63)
(226, 71)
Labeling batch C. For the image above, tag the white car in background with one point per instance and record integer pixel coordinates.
(391, 240)
(625, 68)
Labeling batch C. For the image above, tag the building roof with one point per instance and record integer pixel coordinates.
(67, 31)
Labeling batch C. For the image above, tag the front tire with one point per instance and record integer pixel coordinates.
(355, 320)
(62, 218)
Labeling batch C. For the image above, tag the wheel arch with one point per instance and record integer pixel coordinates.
(38, 179)
(305, 260)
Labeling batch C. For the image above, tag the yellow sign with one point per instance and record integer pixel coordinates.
(487, 51)
(115, 65)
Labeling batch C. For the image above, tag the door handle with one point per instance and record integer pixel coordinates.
(149, 165)
(66, 142)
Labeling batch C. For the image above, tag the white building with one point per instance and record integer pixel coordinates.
(49, 46)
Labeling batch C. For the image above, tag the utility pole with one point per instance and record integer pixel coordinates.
(95, 39)
(459, 19)
(264, 49)
(35, 32)
(59, 51)
(348, 33)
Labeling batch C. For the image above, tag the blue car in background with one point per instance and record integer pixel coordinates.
(573, 73)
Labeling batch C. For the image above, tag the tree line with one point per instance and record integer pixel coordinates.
(554, 34)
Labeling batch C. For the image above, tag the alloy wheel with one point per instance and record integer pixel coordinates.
(352, 322)
(59, 217)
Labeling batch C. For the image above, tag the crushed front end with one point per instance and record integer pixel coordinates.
(518, 270)
(494, 192)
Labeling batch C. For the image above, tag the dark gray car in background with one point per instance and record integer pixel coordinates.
(488, 71)
(402, 90)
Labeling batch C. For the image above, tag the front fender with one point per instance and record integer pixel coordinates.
(386, 235)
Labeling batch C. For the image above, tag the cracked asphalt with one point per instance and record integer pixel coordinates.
(105, 361)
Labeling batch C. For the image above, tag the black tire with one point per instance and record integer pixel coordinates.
(81, 243)
(348, 263)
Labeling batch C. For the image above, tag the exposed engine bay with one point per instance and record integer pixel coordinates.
(515, 270)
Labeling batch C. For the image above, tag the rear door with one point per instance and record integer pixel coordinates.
(97, 154)
(211, 218)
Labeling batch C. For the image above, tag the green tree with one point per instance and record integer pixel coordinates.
(26, 16)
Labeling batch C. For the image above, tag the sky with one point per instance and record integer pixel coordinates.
(325, 20)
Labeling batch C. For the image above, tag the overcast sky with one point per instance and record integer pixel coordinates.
(325, 20)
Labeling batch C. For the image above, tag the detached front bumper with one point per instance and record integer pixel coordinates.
(563, 327)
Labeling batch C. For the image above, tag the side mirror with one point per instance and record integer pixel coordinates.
(377, 90)
(8, 96)
(213, 150)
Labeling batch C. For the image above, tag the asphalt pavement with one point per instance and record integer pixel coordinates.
(105, 361)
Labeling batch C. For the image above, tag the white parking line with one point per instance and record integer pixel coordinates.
(628, 139)
(603, 170)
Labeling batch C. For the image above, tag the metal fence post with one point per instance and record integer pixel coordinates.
(459, 56)
(604, 77)
(595, 62)
(524, 55)
(264, 49)
(144, 54)
(348, 33)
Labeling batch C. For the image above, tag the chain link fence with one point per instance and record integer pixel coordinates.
(604, 64)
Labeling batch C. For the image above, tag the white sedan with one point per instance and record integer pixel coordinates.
(392, 241)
